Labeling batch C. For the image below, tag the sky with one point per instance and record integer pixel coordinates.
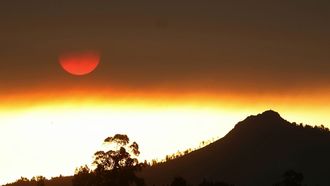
(171, 74)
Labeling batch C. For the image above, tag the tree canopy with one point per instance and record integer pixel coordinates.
(122, 155)
(114, 167)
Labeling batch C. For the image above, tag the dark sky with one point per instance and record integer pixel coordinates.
(256, 46)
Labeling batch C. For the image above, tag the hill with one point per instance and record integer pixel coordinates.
(256, 152)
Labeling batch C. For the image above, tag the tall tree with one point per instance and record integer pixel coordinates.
(114, 167)
(122, 155)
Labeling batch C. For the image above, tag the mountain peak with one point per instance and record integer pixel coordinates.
(256, 152)
(267, 116)
(267, 120)
(270, 114)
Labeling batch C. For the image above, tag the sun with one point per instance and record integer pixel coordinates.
(80, 63)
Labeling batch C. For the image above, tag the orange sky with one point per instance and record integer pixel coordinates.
(171, 74)
(60, 130)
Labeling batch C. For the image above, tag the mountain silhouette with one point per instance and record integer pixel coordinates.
(257, 151)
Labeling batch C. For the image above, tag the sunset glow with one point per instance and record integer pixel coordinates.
(72, 128)
(174, 76)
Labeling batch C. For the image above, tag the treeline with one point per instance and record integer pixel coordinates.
(54, 181)
(321, 129)
(179, 181)
(179, 153)
(35, 181)
(86, 177)
(289, 178)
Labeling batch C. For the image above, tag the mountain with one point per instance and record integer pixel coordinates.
(256, 152)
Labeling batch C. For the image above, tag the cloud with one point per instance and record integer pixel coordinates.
(214, 46)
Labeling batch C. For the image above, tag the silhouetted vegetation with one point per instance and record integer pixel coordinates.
(35, 181)
(253, 153)
(211, 183)
(39, 180)
(291, 178)
(256, 152)
(115, 167)
(179, 154)
(179, 181)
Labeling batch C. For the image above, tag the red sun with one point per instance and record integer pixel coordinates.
(80, 63)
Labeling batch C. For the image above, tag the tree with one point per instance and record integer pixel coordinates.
(39, 180)
(291, 178)
(122, 156)
(114, 167)
(210, 183)
(179, 181)
(23, 179)
(83, 177)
